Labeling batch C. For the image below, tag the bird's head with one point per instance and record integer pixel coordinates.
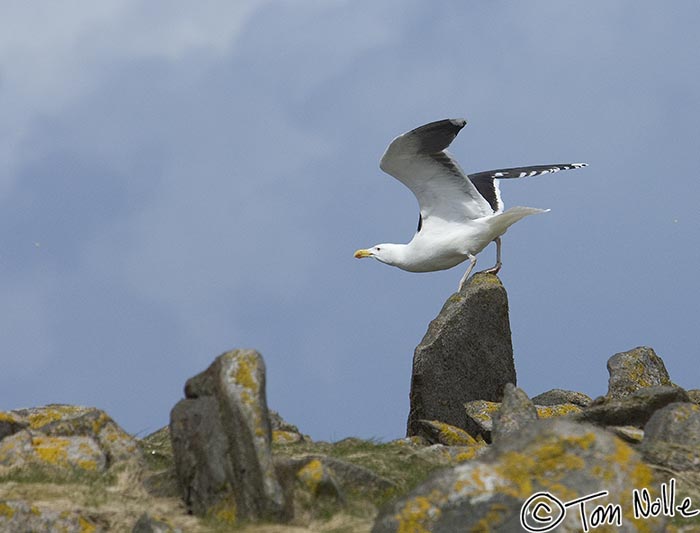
(386, 253)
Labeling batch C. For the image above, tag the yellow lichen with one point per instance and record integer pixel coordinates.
(6, 510)
(8, 417)
(86, 526)
(311, 474)
(244, 376)
(225, 511)
(453, 436)
(51, 450)
(416, 515)
(549, 411)
(87, 464)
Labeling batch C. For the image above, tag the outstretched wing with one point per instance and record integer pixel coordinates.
(419, 160)
(487, 182)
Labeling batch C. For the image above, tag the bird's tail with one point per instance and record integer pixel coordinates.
(500, 223)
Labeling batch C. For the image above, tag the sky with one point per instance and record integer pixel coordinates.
(178, 180)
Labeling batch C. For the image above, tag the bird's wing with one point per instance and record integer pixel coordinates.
(418, 159)
(487, 182)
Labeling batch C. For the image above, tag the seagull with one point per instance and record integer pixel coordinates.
(460, 214)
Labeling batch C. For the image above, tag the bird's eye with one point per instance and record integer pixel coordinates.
(378, 248)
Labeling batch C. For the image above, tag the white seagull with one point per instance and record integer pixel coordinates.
(459, 214)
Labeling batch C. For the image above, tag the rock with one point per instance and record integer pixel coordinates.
(563, 409)
(634, 370)
(319, 479)
(283, 432)
(694, 395)
(634, 409)
(221, 439)
(480, 415)
(21, 516)
(70, 422)
(435, 432)
(568, 460)
(672, 437)
(27, 447)
(561, 396)
(465, 355)
(516, 412)
(629, 434)
(10, 424)
(148, 524)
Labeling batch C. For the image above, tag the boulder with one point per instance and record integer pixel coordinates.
(435, 432)
(283, 432)
(221, 440)
(564, 459)
(33, 448)
(148, 524)
(634, 370)
(634, 409)
(480, 415)
(64, 436)
(465, 355)
(561, 396)
(22, 516)
(516, 413)
(672, 437)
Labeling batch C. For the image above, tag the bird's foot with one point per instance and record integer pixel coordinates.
(493, 270)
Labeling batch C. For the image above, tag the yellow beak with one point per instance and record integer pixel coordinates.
(359, 254)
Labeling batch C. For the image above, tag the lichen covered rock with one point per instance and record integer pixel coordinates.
(436, 432)
(59, 420)
(221, 438)
(565, 459)
(633, 409)
(672, 437)
(515, 413)
(561, 396)
(22, 516)
(634, 370)
(27, 447)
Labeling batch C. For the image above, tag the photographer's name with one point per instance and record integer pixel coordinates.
(543, 511)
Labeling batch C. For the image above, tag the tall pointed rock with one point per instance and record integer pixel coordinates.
(466, 355)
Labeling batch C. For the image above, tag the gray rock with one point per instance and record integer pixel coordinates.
(694, 395)
(561, 396)
(58, 424)
(516, 413)
(435, 432)
(148, 524)
(634, 370)
(672, 437)
(566, 459)
(633, 409)
(221, 442)
(465, 355)
(21, 516)
(479, 419)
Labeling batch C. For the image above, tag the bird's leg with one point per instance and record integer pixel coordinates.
(494, 269)
(472, 262)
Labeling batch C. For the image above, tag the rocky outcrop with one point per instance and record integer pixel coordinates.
(636, 369)
(465, 355)
(566, 460)
(633, 409)
(672, 437)
(64, 437)
(516, 413)
(561, 396)
(221, 439)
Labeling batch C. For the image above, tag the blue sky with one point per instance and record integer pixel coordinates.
(179, 180)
